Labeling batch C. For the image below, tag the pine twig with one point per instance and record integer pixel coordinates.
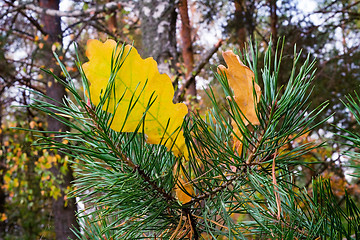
(153, 185)
(214, 191)
(130, 163)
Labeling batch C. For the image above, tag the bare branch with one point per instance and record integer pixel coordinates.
(107, 7)
(30, 18)
(197, 69)
(18, 33)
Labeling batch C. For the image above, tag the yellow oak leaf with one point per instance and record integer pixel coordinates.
(137, 79)
(241, 81)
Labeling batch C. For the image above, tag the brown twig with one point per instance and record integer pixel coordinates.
(192, 223)
(18, 33)
(277, 197)
(215, 190)
(107, 7)
(197, 69)
(30, 18)
(177, 228)
(153, 184)
(212, 221)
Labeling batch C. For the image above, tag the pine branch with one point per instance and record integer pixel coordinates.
(129, 163)
(131, 181)
(237, 175)
(166, 195)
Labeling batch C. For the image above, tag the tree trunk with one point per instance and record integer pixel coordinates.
(158, 27)
(273, 20)
(64, 214)
(240, 20)
(112, 22)
(186, 42)
(2, 173)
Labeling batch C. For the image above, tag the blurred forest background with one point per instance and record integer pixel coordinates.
(185, 37)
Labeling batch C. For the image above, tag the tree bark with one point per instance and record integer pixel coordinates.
(64, 214)
(186, 42)
(273, 20)
(2, 172)
(112, 21)
(240, 20)
(158, 27)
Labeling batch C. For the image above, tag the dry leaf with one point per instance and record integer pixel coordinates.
(241, 81)
(188, 187)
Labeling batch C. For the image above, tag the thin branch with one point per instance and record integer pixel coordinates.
(101, 28)
(74, 39)
(22, 62)
(214, 222)
(276, 189)
(253, 154)
(107, 7)
(342, 10)
(330, 6)
(153, 184)
(196, 70)
(18, 33)
(215, 190)
(323, 64)
(177, 229)
(31, 19)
